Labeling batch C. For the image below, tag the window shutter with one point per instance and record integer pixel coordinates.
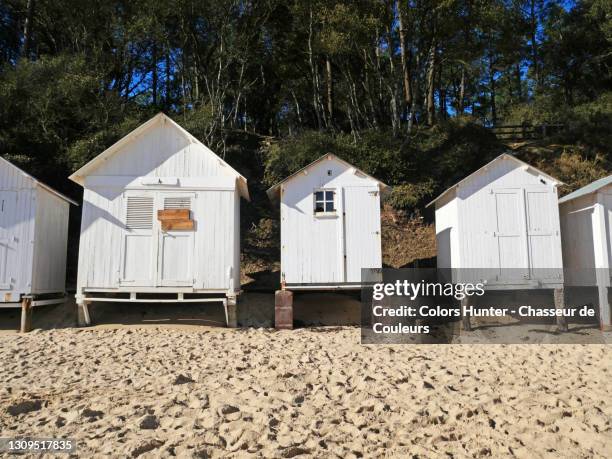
(139, 212)
(181, 202)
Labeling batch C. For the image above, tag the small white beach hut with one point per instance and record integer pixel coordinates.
(161, 215)
(33, 242)
(501, 225)
(586, 224)
(330, 225)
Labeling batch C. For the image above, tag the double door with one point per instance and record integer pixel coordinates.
(153, 256)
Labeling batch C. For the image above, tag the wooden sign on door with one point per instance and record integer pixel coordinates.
(175, 220)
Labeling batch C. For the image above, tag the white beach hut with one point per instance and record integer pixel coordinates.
(330, 225)
(586, 224)
(33, 242)
(161, 215)
(501, 225)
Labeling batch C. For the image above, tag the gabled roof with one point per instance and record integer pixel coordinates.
(274, 190)
(500, 157)
(39, 183)
(87, 169)
(587, 189)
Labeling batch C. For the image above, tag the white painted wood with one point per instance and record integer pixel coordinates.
(33, 235)
(362, 229)
(166, 166)
(501, 224)
(314, 244)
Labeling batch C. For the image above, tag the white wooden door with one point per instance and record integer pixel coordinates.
(607, 228)
(8, 206)
(543, 237)
(175, 259)
(511, 235)
(139, 247)
(361, 231)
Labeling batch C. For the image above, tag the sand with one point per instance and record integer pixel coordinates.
(314, 392)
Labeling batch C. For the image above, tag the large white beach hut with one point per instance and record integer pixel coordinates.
(330, 225)
(33, 242)
(161, 215)
(501, 225)
(586, 224)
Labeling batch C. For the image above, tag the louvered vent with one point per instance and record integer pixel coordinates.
(139, 212)
(177, 203)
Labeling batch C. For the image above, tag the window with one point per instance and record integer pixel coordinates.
(324, 201)
(139, 214)
(181, 202)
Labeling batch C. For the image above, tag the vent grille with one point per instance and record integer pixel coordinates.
(139, 212)
(177, 203)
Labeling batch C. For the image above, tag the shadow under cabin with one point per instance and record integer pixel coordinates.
(500, 226)
(161, 222)
(330, 230)
(33, 242)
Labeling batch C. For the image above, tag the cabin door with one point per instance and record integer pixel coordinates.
(139, 248)
(8, 206)
(543, 237)
(361, 231)
(176, 245)
(154, 256)
(510, 235)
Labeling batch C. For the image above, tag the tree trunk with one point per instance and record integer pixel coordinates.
(534, 45)
(461, 102)
(330, 89)
(403, 53)
(168, 82)
(313, 73)
(154, 68)
(27, 29)
(519, 89)
(492, 88)
(431, 76)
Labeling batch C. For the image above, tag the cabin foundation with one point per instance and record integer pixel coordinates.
(559, 297)
(283, 310)
(26, 315)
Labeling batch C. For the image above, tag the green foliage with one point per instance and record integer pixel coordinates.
(417, 167)
(53, 113)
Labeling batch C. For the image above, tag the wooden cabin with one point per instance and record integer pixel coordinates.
(330, 225)
(500, 225)
(586, 224)
(33, 242)
(161, 216)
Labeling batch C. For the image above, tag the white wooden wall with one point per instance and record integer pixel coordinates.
(50, 243)
(313, 247)
(586, 224)
(33, 236)
(507, 217)
(162, 152)
(17, 198)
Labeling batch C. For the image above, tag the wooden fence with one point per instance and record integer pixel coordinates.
(520, 132)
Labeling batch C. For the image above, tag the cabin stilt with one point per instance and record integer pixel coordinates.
(26, 315)
(83, 317)
(232, 312)
(465, 318)
(559, 297)
(605, 314)
(283, 309)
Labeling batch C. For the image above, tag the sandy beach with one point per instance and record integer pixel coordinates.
(151, 390)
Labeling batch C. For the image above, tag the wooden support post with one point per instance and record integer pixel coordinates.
(83, 317)
(605, 313)
(232, 311)
(465, 318)
(559, 297)
(26, 315)
(283, 309)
